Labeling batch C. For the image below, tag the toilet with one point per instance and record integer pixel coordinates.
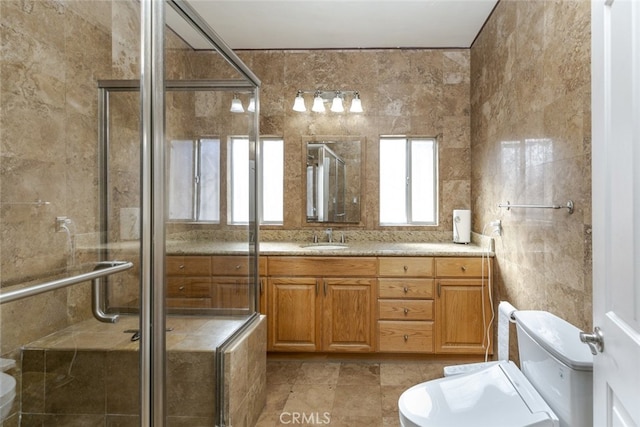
(553, 386)
(7, 388)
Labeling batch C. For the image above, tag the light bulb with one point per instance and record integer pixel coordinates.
(236, 105)
(318, 104)
(356, 104)
(298, 104)
(336, 105)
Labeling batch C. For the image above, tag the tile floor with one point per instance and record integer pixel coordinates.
(349, 394)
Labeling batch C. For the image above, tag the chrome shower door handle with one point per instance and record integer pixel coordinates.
(595, 341)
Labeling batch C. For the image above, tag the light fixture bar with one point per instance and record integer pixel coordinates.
(322, 97)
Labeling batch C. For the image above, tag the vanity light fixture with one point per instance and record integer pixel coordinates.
(318, 103)
(236, 105)
(298, 104)
(356, 103)
(335, 97)
(252, 105)
(336, 104)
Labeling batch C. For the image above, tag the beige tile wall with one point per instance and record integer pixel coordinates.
(531, 144)
(404, 92)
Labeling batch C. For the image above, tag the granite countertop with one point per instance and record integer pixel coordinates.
(322, 249)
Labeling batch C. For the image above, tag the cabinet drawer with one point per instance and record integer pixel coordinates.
(461, 267)
(405, 336)
(322, 266)
(405, 266)
(188, 287)
(405, 288)
(394, 309)
(230, 265)
(189, 266)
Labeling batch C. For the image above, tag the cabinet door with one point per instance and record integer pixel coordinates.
(463, 313)
(348, 315)
(294, 314)
(230, 292)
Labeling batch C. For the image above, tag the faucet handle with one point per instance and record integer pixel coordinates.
(342, 238)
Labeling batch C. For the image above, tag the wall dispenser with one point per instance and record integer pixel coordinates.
(461, 226)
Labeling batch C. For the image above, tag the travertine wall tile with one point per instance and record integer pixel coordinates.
(530, 139)
(415, 92)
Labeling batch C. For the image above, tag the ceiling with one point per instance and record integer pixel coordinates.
(337, 24)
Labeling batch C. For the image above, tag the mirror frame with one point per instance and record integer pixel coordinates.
(306, 139)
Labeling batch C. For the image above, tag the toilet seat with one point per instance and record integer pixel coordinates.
(498, 396)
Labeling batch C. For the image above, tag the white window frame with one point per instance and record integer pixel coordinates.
(276, 197)
(406, 144)
(232, 216)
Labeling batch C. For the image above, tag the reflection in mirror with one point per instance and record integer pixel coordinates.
(333, 181)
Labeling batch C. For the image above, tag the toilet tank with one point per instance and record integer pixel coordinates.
(557, 364)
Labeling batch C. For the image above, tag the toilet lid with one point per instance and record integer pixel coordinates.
(7, 388)
(499, 396)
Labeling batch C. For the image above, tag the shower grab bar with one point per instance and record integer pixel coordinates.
(102, 269)
(568, 206)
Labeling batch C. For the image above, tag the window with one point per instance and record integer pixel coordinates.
(272, 180)
(272, 173)
(408, 181)
(194, 180)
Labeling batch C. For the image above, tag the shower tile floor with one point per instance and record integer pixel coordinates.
(341, 393)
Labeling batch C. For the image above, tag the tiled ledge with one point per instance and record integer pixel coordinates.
(186, 334)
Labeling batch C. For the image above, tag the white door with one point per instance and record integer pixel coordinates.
(616, 209)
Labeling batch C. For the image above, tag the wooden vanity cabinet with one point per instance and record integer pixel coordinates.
(405, 304)
(321, 304)
(462, 305)
(189, 281)
(205, 281)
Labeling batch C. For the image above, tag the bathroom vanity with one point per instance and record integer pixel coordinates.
(362, 298)
(378, 304)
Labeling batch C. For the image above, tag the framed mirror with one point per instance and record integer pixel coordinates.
(333, 174)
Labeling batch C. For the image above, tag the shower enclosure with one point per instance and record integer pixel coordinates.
(129, 256)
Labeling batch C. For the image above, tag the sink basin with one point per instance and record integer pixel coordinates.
(325, 246)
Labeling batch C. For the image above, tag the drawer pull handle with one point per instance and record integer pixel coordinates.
(238, 267)
(406, 338)
(181, 266)
(406, 311)
(405, 289)
(181, 288)
(406, 268)
(463, 268)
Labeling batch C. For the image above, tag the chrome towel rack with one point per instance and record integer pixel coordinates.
(568, 206)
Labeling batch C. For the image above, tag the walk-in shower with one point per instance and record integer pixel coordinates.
(129, 264)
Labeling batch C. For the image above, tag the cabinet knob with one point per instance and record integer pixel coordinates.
(406, 268)
(463, 268)
(406, 338)
(406, 311)
(181, 288)
(181, 266)
(405, 289)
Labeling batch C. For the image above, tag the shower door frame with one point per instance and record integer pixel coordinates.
(153, 217)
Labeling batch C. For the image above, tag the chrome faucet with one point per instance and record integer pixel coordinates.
(329, 233)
